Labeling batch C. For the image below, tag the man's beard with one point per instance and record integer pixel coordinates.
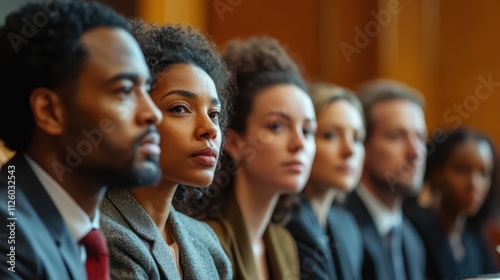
(396, 183)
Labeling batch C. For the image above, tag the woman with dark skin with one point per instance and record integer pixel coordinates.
(147, 237)
(461, 175)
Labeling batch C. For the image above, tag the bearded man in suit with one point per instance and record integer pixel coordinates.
(75, 107)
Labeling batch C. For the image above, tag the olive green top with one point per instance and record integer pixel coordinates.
(281, 249)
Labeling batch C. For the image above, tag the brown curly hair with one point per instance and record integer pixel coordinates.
(258, 63)
(166, 45)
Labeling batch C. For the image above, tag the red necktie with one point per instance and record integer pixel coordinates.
(97, 263)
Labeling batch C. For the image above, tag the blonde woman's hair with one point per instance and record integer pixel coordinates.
(323, 95)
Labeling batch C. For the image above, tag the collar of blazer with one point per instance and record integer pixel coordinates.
(47, 212)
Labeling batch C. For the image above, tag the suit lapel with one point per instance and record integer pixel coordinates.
(376, 251)
(371, 238)
(339, 234)
(187, 251)
(145, 228)
(68, 251)
(244, 255)
(49, 215)
(410, 247)
(306, 227)
(281, 265)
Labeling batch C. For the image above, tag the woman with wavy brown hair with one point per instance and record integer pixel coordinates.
(269, 151)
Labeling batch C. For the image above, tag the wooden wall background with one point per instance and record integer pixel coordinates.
(446, 49)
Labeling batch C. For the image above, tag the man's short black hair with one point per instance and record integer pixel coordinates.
(40, 47)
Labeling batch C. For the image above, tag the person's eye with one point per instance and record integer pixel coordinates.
(179, 109)
(215, 115)
(275, 126)
(359, 139)
(329, 135)
(125, 90)
(308, 132)
(395, 135)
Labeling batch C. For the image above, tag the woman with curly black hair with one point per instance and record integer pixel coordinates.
(461, 173)
(147, 237)
(269, 151)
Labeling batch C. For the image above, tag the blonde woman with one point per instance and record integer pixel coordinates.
(327, 236)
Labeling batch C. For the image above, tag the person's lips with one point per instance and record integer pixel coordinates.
(149, 144)
(294, 165)
(206, 156)
(345, 169)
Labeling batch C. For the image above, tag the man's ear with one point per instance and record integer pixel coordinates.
(233, 144)
(48, 110)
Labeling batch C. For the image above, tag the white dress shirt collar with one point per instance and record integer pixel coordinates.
(76, 219)
(383, 218)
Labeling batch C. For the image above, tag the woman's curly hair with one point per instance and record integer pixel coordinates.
(258, 63)
(166, 45)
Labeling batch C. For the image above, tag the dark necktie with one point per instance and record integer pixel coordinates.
(97, 263)
(394, 246)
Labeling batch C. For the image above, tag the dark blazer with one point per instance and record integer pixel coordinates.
(334, 253)
(440, 262)
(375, 262)
(44, 246)
(282, 255)
(138, 250)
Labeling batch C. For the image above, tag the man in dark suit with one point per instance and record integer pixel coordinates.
(75, 106)
(393, 169)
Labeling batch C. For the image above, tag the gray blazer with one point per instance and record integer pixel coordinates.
(138, 251)
(44, 246)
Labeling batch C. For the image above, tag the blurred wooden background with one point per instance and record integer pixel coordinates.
(446, 49)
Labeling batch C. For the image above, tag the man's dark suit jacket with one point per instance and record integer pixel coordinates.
(336, 253)
(376, 264)
(44, 246)
(440, 262)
